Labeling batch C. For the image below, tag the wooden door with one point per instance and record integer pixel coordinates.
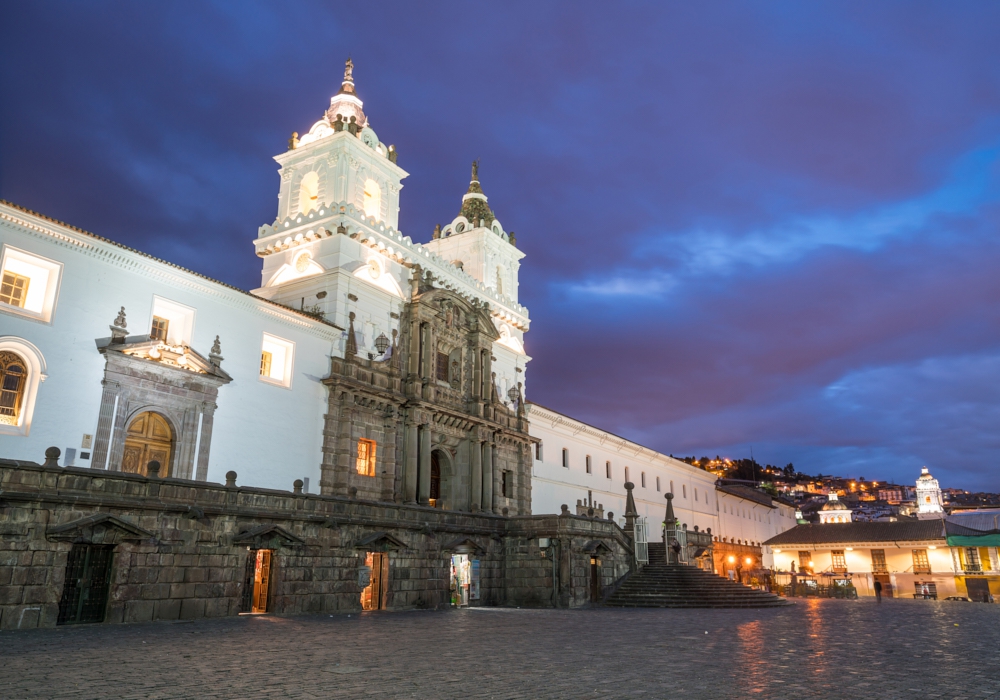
(595, 580)
(886, 584)
(148, 438)
(261, 581)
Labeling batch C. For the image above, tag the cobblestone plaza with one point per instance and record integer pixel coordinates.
(813, 649)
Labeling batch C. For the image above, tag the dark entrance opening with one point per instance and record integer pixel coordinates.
(979, 589)
(85, 590)
(595, 580)
(435, 478)
(256, 581)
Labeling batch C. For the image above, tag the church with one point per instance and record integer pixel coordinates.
(367, 366)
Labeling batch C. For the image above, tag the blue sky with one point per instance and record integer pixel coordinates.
(768, 224)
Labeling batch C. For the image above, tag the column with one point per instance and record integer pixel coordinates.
(424, 468)
(477, 376)
(410, 468)
(205, 444)
(487, 477)
(476, 490)
(105, 424)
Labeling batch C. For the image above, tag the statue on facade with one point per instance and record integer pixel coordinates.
(349, 71)
(293, 142)
(475, 170)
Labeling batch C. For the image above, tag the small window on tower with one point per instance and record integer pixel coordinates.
(159, 329)
(366, 457)
(565, 458)
(607, 469)
(442, 366)
(507, 484)
(588, 464)
(309, 193)
(372, 199)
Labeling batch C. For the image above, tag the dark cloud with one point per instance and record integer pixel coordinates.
(749, 224)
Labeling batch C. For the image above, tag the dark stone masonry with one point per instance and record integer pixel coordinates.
(82, 545)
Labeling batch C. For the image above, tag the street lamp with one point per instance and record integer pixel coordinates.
(381, 344)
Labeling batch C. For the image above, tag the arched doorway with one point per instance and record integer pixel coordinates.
(148, 438)
(435, 496)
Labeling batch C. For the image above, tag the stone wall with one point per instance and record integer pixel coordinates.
(180, 547)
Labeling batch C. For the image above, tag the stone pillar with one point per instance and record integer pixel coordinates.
(410, 471)
(477, 375)
(424, 468)
(476, 490)
(205, 446)
(105, 424)
(387, 461)
(488, 477)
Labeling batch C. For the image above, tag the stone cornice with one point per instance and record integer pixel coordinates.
(123, 257)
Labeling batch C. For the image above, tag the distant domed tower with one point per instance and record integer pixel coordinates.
(929, 503)
(834, 511)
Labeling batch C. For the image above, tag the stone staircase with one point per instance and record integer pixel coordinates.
(663, 585)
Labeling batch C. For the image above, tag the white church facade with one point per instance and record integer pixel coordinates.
(367, 365)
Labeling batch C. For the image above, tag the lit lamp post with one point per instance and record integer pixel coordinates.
(381, 344)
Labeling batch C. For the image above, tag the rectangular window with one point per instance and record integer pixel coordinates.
(366, 457)
(29, 284)
(607, 469)
(642, 478)
(696, 494)
(507, 484)
(684, 490)
(14, 289)
(566, 458)
(177, 321)
(921, 565)
(442, 366)
(159, 329)
(276, 356)
(588, 464)
(538, 451)
(839, 560)
(972, 561)
(657, 483)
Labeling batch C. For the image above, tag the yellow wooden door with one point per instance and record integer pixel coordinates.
(148, 438)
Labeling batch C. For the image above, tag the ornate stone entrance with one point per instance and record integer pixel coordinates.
(148, 438)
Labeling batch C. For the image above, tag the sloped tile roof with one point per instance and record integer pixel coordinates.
(835, 533)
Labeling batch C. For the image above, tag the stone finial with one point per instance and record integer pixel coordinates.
(153, 469)
(475, 170)
(611, 516)
(297, 485)
(230, 478)
(52, 457)
(349, 70)
(352, 340)
(565, 509)
(293, 142)
(630, 512)
(513, 239)
(215, 355)
(118, 327)
(437, 232)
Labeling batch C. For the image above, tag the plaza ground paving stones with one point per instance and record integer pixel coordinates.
(813, 649)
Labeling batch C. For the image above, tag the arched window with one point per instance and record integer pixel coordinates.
(13, 381)
(22, 369)
(373, 199)
(309, 192)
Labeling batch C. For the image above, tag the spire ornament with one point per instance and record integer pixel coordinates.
(119, 328)
(348, 84)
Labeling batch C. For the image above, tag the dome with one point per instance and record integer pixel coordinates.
(925, 475)
(834, 504)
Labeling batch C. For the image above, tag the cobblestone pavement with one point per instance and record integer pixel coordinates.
(815, 649)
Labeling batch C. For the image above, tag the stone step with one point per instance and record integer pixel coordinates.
(662, 585)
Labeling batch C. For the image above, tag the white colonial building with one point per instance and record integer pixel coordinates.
(119, 359)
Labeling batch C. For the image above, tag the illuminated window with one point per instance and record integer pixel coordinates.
(13, 376)
(565, 458)
(588, 464)
(22, 369)
(366, 457)
(14, 289)
(28, 284)
(171, 322)
(373, 199)
(607, 469)
(159, 329)
(276, 356)
(921, 565)
(805, 561)
(839, 560)
(309, 193)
